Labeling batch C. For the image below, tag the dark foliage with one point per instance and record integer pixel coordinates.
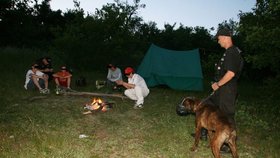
(115, 33)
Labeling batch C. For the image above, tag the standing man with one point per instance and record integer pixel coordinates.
(228, 70)
(137, 88)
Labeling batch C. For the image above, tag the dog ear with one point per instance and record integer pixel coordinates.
(189, 101)
(192, 102)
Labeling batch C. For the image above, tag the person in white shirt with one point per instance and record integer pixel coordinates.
(35, 78)
(137, 88)
(114, 74)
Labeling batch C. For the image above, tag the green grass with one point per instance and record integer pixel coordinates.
(50, 125)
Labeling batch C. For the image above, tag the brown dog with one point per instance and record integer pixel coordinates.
(220, 130)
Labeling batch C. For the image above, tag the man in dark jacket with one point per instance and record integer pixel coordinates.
(45, 66)
(228, 70)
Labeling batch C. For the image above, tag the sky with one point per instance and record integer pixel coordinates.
(191, 13)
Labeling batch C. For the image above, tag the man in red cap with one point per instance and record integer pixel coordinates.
(137, 88)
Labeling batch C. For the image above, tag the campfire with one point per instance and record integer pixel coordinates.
(97, 104)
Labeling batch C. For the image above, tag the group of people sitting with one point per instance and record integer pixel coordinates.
(41, 73)
(136, 87)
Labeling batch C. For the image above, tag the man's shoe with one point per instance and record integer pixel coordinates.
(47, 91)
(203, 134)
(44, 91)
(203, 138)
(225, 149)
(138, 106)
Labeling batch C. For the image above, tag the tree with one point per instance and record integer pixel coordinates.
(260, 30)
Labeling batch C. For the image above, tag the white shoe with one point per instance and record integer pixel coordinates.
(47, 91)
(138, 106)
(42, 91)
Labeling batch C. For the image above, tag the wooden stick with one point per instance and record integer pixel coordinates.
(37, 97)
(96, 94)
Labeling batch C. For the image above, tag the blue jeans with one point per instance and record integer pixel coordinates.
(31, 85)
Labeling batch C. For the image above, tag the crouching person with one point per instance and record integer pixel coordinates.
(136, 87)
(63, 78)
(36, 79)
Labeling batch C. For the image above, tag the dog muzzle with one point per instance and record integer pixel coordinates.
(181, 110)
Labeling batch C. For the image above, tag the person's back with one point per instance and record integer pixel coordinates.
(45, 66)
(138, 81)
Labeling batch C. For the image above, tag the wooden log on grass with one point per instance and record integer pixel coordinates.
(96, 94)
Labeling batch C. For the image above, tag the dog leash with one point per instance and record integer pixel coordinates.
(211, 94)
(181, 104)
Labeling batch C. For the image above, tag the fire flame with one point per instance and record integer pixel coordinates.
(96, 103)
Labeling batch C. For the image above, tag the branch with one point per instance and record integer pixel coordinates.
(95, 94)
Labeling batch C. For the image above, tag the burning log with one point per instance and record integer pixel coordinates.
(96, 94)
(97, 105)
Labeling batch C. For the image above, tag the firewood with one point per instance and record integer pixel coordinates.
(96, 94)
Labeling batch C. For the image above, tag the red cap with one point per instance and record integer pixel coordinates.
(128, 70)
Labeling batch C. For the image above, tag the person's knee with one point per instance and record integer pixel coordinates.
(46, 77)
(126, 92)
(34, 78)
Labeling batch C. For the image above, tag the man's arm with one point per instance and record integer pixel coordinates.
(227, 77)
(125, 84)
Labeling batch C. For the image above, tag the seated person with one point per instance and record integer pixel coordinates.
(35, 78)
(62, 78)
(45, 66)
(114, 74)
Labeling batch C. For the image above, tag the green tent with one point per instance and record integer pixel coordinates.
(179, 70)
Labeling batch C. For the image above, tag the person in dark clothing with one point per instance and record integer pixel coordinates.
(45, 66)
(228, 70)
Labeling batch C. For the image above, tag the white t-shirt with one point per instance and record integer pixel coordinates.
(137, 80)
(28, 76)
(114, 75)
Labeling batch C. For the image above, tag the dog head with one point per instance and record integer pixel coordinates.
(191, 104)
(184, 107)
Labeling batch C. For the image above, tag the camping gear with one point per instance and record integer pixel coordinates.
(180, 70)
(99, 84)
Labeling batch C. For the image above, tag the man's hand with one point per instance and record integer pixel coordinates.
(119, 82)
(215, 86)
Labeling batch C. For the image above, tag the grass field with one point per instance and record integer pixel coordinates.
(43, 126)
